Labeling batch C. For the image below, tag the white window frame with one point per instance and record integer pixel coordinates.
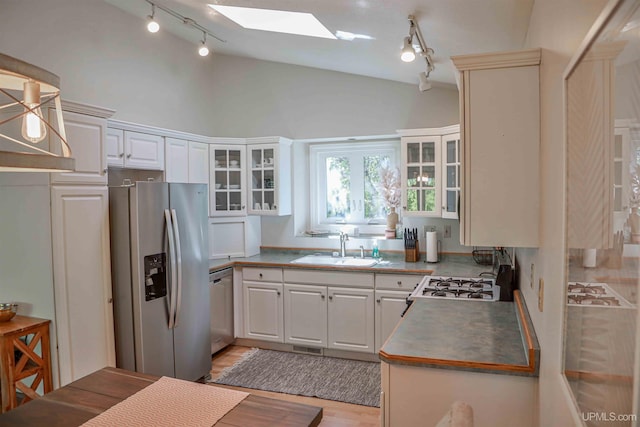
(317, 195)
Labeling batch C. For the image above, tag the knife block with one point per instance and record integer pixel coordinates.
(413, 254)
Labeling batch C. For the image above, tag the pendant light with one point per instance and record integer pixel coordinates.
(33, 127)
(24, 90)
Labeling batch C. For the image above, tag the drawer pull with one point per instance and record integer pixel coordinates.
(261, 275)
(399, 282)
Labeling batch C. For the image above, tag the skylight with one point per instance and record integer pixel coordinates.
(279, 21)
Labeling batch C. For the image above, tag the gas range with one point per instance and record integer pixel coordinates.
(594, 295)
(462, 288)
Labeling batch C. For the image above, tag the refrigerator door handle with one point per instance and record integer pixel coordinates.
(179, 261)
(172, 260)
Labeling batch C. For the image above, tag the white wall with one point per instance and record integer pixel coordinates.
(558, 26)
(106, 57)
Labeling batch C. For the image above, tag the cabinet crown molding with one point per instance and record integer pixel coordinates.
(269, 140)
(429, 131)
(484, 61)
(89, 110)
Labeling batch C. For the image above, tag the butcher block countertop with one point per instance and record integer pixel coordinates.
(491, 337)
(78, 402)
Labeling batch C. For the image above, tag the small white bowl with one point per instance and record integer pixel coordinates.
(233, 163)
(218, 185)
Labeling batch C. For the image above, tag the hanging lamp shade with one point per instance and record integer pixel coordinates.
(29, 140)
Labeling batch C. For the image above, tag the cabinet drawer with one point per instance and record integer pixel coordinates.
(397, 281)
(331, 278)
(262, 274)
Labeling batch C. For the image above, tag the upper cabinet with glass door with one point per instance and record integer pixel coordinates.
(269, 176)
(227, 180)
(421, 172)
(450, 175)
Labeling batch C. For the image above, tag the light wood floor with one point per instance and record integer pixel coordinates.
(335, 414)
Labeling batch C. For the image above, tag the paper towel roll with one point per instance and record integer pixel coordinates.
(589, 257)
(432, 246)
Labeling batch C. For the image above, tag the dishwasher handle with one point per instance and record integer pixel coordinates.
(217, 276)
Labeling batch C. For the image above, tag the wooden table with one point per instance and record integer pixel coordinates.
(76, 403)
(22, 369)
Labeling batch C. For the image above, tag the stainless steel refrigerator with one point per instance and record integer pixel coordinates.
(160, 266)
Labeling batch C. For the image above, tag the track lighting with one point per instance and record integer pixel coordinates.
(152, 25)
(424, 84)
(203, 50)
(408, 54)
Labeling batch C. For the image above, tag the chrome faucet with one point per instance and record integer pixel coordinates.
(361, 251)
(344, 237)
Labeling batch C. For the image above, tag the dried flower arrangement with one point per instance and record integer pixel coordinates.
(390, 187)
(634, 198)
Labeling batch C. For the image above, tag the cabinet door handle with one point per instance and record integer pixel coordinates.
(129, 156)
(110, 300)
(378, 300)
(322, 296)
(404, 208)
(121, 155)
(330, 297)
(278, 292)
(105, 170)
(399, 282)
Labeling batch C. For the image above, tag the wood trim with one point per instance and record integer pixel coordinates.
(457, 363)
(520, 308)
(485, 61)
(598, 377)
(269, 140)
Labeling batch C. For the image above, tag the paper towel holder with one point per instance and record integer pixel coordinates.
(427, 252)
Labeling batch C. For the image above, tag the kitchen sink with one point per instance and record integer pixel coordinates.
(337, 261)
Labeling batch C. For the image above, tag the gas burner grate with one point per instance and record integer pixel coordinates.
(594, 300)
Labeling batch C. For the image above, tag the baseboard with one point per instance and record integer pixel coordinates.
(342, 354)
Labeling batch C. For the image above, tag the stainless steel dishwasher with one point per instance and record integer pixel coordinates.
(221, 295)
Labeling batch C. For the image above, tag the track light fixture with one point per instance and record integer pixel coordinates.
(409, 52)
(153, 26)
(203, 50)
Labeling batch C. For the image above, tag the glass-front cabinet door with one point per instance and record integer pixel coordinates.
(450, 175)
(262, 179)
(269, 176)
(227, 180)
(421, 175)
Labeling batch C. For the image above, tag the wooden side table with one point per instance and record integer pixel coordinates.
(22, 369)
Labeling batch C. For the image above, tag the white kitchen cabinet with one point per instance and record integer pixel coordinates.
(138, 150)
(350, 319)
(177, 160)
(233, 237)
(450, 175)
(421, 187)
(198, 162)
(186, 161)
(263, 310)
(227, 180)
(397, 282)
(115, 147)
(305, 315)
(419, 396)
(500, 138)
(82, 280)
(269, 176)
(86, 137)
(388, 309)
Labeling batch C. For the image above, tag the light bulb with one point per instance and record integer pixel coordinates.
(33, 126)
(203, 50)
(152, 25)
(408, 53)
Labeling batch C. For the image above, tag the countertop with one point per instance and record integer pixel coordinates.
(495, 337)
(451, 265)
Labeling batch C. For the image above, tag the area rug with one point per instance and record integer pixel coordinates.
(350, 381)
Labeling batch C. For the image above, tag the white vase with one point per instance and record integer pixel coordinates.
(392, 220)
